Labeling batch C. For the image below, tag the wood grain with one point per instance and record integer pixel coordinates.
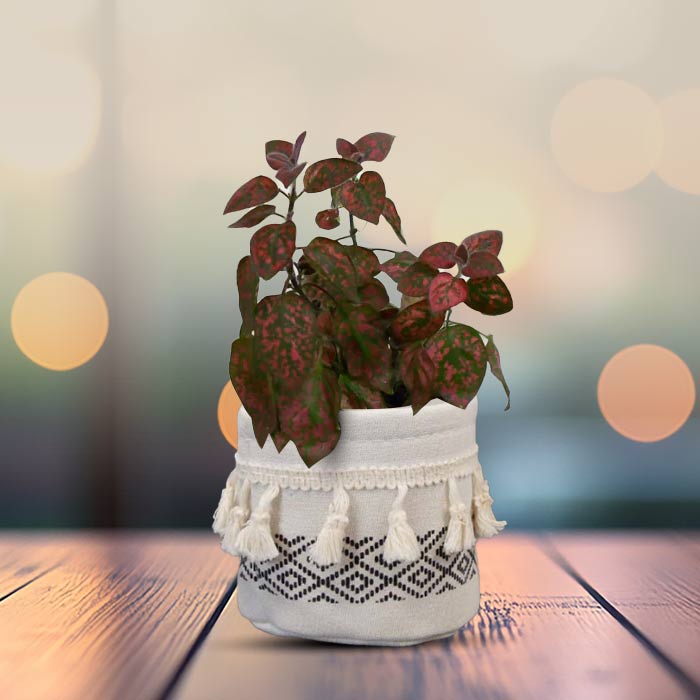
(653, 580)
(114, 618)
(539, 635)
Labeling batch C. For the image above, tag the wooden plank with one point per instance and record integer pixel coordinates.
(653, 580)
(539, 634)
(114, 620)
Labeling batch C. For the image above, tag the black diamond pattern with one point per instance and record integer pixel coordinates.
(362, 575)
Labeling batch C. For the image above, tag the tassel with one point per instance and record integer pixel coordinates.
(460, 531)
(401, 543)
(239, 515)
(222, 514)
(485, 523)
(255, 541)
(328, 547)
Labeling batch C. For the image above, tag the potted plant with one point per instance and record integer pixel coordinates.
(357, 495)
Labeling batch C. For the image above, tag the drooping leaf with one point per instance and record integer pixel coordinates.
(418, 374)
(416, 322)
(256, 191)
(278, 153)
(393, 219)
(331, 261)
(310, 415)
(485, 241)
(328, 219)
(286, 338)
(482, 264)
(254, 216)
(247, 282)
(459, 355)
(446, 291)
(375, 146)
(346, 149)
(494, 360)
(365, 197)
(296, 151)
(374, 294)
(357, 394)
(330, 172)
(272, 247)
(279, 439)
(253, 387)
(489, 295)
(361, 334)
(416, 280)
(287, 175)
(441, 255)
(396, 266)
(365, 261)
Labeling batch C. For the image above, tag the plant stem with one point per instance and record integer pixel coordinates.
(447, 317)
(291, 275)
(385, 250)
(353, 230)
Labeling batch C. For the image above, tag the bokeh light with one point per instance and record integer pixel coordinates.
(646, 392)
(227, 413)
(50, 110)
(679, 164)
(606, 135)
(59, 320)
(480, 204)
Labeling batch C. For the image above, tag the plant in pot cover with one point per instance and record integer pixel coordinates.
(357, 495)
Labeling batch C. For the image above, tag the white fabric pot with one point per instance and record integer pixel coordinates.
(372, 545)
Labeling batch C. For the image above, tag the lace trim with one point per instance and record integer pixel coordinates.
(385, 478)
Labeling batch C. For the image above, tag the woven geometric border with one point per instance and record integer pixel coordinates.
(362, 575)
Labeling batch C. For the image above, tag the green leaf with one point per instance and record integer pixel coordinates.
(365, 197)
(346, 149)
(441, 255)
(278, 153)
(357, 394)
(328, 173)
(484, 241)
(494, 360)
(416, 322)
(446, 291)
(254, 216)
(247, 281)
(396, 266)
(374, 294)
(331, 261)
(375, 146)
(365, 262)
(482, 264)
(416, 280)
(393, 218)
(259, 190)
(272, 247)
(459, 355)
(418, 374)
(489, 295)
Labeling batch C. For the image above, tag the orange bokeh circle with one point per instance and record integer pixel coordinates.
(646, 392)
(227, 413)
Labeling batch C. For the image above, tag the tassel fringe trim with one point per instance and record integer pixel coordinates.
(485, 523)
(401, 542)
(255, 540)
(328, 547)
(460, 530)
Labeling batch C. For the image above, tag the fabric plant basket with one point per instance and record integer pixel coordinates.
(375, 544)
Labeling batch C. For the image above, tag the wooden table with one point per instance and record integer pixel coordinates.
(147, 616)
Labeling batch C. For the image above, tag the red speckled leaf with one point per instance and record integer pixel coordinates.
(279, 439)
(272, 247)
(416, 322)
(459, 355)
(253, 388)
(254, 216)
(440, 255)
(418, 374)
(393, 218)
(331, 261)
(482, 264)
(362, 337)
(247, 282)
(489, 295)
(416, 280)
(330, 172)
(259, 190)
(287, 175)
(396, 266)
(486, 241)
(365, 261)
(346, 149)
(356, 394)
(296, 151)
(328, 219)
(446, 291)
(286, 338)
(365, 198)
(494, 360)
(374, 294)
(310, 415)
(278, 153)
(375, 146)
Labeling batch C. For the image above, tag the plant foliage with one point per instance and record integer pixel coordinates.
(331, 339)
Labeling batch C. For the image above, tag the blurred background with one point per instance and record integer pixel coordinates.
(126, 125)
